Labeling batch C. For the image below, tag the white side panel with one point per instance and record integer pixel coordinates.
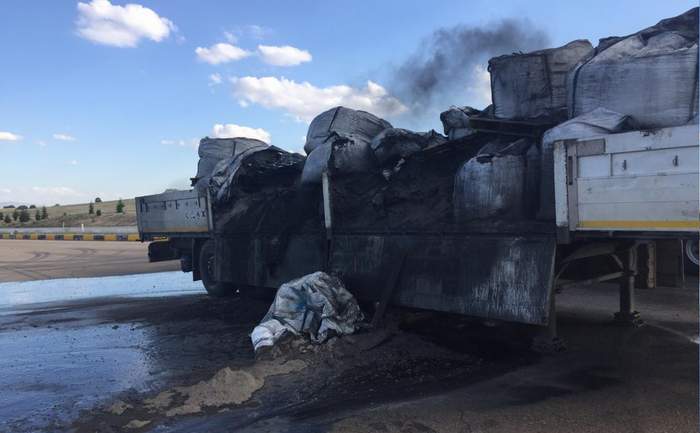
(643, 181)
(678, 136)
(662, 161)
(594, 166)
(638, 189)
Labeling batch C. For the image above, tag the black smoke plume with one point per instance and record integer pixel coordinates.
(440, 70)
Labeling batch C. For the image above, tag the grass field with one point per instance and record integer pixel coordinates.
(75, 214)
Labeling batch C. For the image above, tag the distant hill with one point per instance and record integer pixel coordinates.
(76, 214)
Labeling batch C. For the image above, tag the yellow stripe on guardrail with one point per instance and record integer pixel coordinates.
(73, 236)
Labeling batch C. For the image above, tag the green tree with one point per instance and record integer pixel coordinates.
(37, 215)
(44, 213)
(8, 219)
(2, 216)
(91, 208)
(32, 206)
(15, 215)
(24, 216)
(99, 212)
(120, 206)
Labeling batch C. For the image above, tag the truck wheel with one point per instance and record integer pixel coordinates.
(206, 271)
(692, 258)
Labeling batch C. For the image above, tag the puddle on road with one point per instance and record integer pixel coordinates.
(14, 294)
(47, 371)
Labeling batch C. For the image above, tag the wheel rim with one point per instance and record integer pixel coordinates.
(692, 251)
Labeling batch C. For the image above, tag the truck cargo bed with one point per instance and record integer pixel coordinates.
(178, 213)
(639, 181)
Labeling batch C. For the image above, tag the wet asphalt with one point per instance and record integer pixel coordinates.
(72, 347)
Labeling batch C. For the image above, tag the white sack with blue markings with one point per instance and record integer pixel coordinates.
(317, 306)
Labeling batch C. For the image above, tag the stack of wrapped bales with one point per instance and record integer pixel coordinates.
(220, 151)
(350, 141)
(533, 85)
(645, 80)
(651, 75)
(344, 134)
(500, 182)
(455, 121)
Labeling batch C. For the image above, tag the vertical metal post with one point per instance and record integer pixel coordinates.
(327, 217)
(627, 314)
(651, 264)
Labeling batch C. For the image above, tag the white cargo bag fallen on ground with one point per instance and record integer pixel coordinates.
(316, 305)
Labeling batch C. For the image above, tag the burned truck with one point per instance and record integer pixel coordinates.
(585, 153)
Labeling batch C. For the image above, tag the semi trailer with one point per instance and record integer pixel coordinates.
(612, 194)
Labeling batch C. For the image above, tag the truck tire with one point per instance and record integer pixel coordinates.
(692, 258)
(206, 271)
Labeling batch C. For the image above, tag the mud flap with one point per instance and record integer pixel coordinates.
(495, 276)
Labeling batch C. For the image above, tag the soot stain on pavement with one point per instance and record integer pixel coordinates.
(307, 383)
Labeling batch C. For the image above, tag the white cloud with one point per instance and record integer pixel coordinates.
(121, 26)
(304, 100)
(231, 130)
(231, 37)
(480, 89)
(257, 32)
(63, 137)
(8, 136)
(220, 53)
(214, 79)
(42, 195)
(73, 162)
(251, 31)
(284, 55)
(192, 142)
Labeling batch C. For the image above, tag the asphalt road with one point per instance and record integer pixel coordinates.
(24, 260)
(135, 353)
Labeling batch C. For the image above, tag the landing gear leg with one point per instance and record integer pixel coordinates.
(628, 315)
(548, 341)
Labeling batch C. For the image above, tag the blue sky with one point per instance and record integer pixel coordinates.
(104, 99)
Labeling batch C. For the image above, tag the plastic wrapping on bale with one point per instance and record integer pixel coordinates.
(493, 184)
(341, 154)
(252, 170)
(341, 121)
(533, 85)
(316, 305)
(316, 163)
(650, 75)
(214, 150)
(396, 143)
(598, 122)
(455, 121)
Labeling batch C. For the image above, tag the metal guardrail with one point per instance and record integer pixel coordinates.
(72, 236)
(76, 230)
(123, 233)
